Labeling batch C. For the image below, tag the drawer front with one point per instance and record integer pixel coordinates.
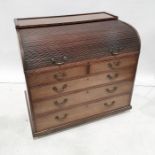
(114, 64)
(62, 87)
(60, 103)
(55, 76)
(55, 119)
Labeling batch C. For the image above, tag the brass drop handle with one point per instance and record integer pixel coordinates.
(109, 104)
(60, 90)
(112, 77)
(61, 61)
(61, 117)
(59, 76)
(114, 64)
(111, 90)
(60, 104)
(116, 48)
(114, 53)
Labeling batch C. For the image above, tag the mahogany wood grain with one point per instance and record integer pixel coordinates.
(75, 99)
(42, 92)
(114, 64)
(63, 74)
(77, 68)
(56, 119)
(56, 76)
(62, 20)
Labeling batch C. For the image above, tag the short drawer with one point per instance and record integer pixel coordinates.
(52, 120)
(51, 105)
(35, 79)
(43, 92)
(114, 64)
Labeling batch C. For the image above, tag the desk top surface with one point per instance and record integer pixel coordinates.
(62, 20)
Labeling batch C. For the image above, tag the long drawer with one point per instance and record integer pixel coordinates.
(55, 119)
(51, 105)
(42, 92)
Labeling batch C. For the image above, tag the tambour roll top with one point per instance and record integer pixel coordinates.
(57, 40)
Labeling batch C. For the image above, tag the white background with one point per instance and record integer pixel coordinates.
(130, 133)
